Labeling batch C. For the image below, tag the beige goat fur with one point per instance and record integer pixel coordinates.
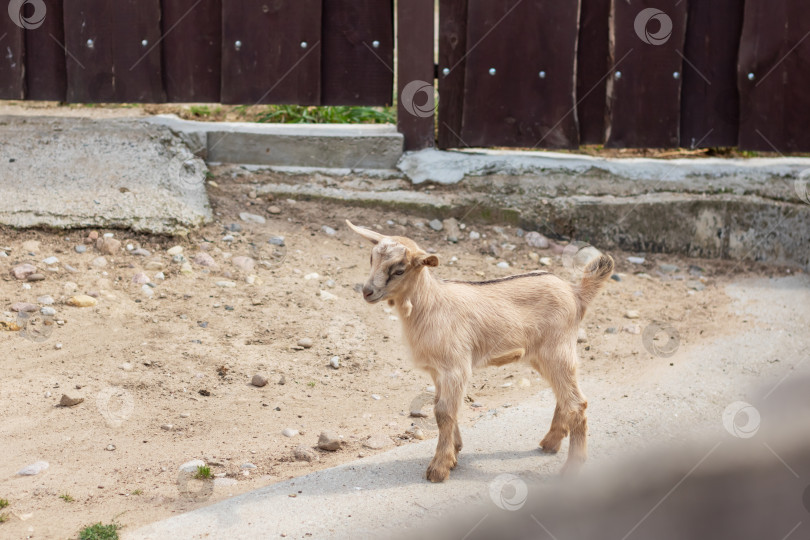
(452, 327)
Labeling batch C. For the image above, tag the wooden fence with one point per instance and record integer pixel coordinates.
(519, 73)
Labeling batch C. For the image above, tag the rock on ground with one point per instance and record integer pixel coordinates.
(329, 441)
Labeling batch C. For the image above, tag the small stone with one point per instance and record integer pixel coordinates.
(140, 278)
(276, 241)
(204, 259)
(167, 427)
(545, 261)
(126, 366)
(108, 246)
(110, 447)
(92, 235)
(328, 231)
(45, 300)
(334, 362)
(69, 287)
(58, 346)
(616, 277)
(154, 265)
(326, 295)
(245, 264)
(304, 453)
(23, 307)
(179, 258)
(140, 252)
(305, 342)
(274, 210)
(33, 469)
(174, 250)
(289, 432)
(186, 270)
(81, 248)
(416, 432)
(452, 230)
(377, 442)
(632, 314)
(329, 441)
(48, 311)
(582, 336)
(536, 240)
(667, 268)
(50, 261)
(36, 277)
(160, 276)
(436, 225)
(22, 271)
(82, 300)
(611, 330)
(99, 262)
(226, 284)
(636, 260)
(233, 227)
(258, 380)
(282, 380)
(68, 401)
(247, 465)
(502, 264)
(695, 285)
(191, 466)
(311, 275)
(185, 415)
(631, 329)
(524, 383)
(475, 235)
(251, 218)
(376, 397)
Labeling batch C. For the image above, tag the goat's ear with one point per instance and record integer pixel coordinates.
(368, 234)
(427, 260)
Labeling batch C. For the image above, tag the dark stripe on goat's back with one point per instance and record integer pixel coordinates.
(499, 280)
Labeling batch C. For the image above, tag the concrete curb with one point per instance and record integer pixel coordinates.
(367, 146)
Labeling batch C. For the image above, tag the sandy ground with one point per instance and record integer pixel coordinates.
(142, 364)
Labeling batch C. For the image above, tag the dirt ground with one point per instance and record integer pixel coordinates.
(166, 378)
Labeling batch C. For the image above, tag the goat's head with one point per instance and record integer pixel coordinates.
(395, 261)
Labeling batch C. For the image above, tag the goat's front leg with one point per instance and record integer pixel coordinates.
(449, 393)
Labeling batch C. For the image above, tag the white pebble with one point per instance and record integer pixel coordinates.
(289, 432)
(376, 397)
(176, 250)
(502, 264)
(334, 362)
(50, 261)
(226, 284)
(313, 275)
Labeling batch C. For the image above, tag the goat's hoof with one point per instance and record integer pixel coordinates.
(550, 447)
(572, 467)
(437, 474)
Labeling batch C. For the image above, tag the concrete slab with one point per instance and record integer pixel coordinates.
(364, 146)
(118, 173)
(675, 401)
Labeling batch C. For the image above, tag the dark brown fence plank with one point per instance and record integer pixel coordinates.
(12, 52)
(775, 101)
(357, 62)
(45, 76)
(452, 56)
(271, 51)
(192, 49)
(709, 98)
(644, 101)
(113, 51)
(529, 101)
(593, 57)
(415, 102)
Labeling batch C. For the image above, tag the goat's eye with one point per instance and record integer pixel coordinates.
(399, 272)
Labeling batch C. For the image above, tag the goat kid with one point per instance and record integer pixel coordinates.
(452, 327)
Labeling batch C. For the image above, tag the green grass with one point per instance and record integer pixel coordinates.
(311, 384)
(67, 497)
(3, 503)
(3, 518)
(200, 110)
(99, 531)
(203, 472)
(298, 114)
(138, 492)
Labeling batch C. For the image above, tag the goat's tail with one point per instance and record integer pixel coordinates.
(597, 273)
